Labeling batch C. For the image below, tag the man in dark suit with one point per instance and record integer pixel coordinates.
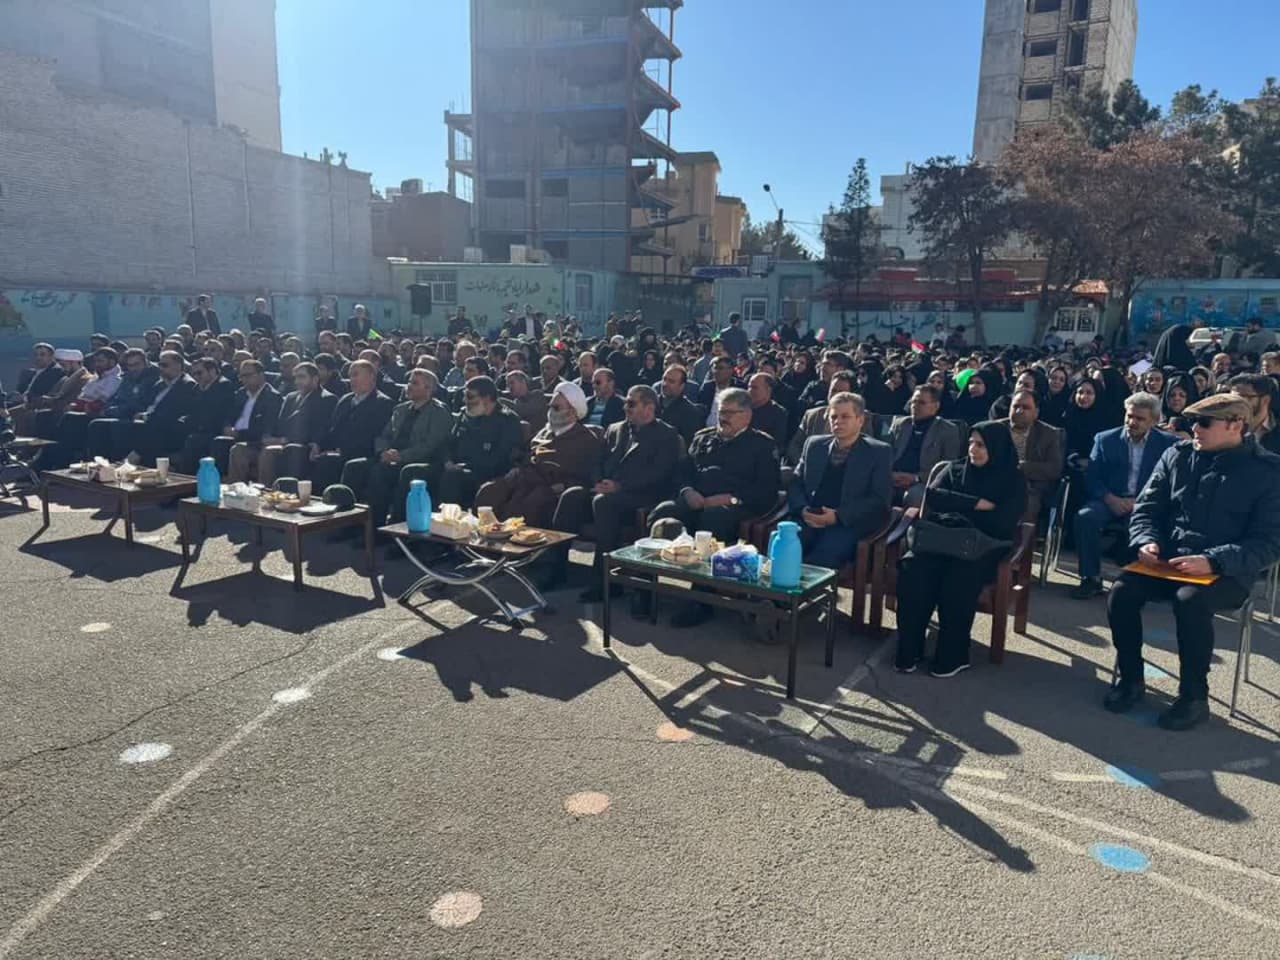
(605, 408)
(256, 411)
(358, 419)
(1119, 467)
(107, 435)
(920, 442)
(841, 492)
(675, 409)
(204, 317)
(720, 380)
(304, 417)
(330, 370)
(487, 442)
(815, 422)
(636, 472)
(1041, 450)
(161, 428)
(767, 416)
(40, 379)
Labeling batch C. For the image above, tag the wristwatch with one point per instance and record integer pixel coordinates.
(734, 501)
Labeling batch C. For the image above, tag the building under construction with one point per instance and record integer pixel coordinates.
(571, 118)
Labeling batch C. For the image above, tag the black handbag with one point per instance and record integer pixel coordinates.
(950, 534)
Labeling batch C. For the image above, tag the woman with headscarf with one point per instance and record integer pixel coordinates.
(1152, 382)
(1206, 382)
(974, 402)
(1179, 393)
(898, 386)
(1033, 380)
(651, 368)
(1058, 397)
(871, 386)
(985, 490)
(1113, 393)
(801, 373)
(946, 390)
(1085, 418)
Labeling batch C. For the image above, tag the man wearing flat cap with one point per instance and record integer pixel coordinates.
(563, 454)
(1210, 511)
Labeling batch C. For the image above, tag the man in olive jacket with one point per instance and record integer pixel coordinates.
(1211, 509)
(412, 446)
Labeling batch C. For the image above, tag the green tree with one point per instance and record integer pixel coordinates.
(1251, 180)
(851, 238)
(1106, 120)
(964, 212)
(758, 239)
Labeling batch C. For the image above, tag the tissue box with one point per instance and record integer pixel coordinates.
(739, 562)
(450, 527)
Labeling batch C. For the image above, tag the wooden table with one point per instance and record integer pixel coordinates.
(124, 495)
(483, 561)
(644, 570)
(295, 526)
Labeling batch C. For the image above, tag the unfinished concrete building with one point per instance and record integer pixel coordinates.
(570, 121)
(1036, 53)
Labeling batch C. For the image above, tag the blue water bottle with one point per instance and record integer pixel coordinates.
(785, 555)
(209, 482)
(417, 508)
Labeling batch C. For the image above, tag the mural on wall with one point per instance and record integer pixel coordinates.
(1156, 308)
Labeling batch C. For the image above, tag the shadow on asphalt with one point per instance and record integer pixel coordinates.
(102, 556)
(255, 598)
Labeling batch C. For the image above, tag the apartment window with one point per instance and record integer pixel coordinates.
(1042, 48)
(444, 284)
(1038, 91)
(753, 309)
(1076, 48)
(504, 189)
(704, 232)
(558, 187)
(1080, 10)
(1044, 6)
(583, 291)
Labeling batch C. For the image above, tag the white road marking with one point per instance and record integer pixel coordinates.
(1063, 777)
(391, 653)
(45, 906)
(291, 695)
(455, 910)
(95, 628)
(146, 753)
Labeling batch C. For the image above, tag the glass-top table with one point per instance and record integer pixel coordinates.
(646, 570)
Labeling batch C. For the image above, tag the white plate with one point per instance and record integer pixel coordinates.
(652, 544)
(318, 509)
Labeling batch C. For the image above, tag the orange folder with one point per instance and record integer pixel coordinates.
(1165, 571)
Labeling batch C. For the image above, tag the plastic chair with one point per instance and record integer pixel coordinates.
(1243, 615)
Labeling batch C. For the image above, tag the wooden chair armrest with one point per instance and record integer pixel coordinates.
(1026, 537)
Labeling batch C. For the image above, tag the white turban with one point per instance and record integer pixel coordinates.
(573, 393)
(66, 354)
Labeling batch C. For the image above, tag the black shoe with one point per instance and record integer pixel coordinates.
(694, 615)
(1185, 713)
(906, 666)
(942, 670)
(641, 605)
(1089, 588)
(1124, 696)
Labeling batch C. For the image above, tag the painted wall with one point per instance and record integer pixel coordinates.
(1160, 304)
(488, 290)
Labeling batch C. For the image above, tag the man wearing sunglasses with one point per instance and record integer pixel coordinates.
(1210, 510)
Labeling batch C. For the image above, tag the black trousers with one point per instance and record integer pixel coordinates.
(611, 514)
(459, 486)
(723, 522)
(1193, 610)
(928, 582)
(384, 487)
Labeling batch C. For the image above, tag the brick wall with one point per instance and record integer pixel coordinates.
(98, 192)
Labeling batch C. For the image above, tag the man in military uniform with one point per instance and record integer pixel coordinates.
(487, 442)
(731, 475)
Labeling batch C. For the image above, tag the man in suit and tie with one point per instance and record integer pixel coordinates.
(358, 420)
(161, 428)
(921, 441)
(204, 317)
(257, 411)
(1119, 467)
(815, 421)
(841, 492)
(304, 418)
(605, 408)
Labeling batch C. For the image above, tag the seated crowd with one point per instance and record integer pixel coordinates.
(608, 437)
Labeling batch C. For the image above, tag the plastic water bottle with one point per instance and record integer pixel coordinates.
(417, 508)
(209, 482)
(785, 555)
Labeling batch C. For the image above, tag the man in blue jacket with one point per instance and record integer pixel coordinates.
(842, 489)
(1119, 467)
(1211, 509)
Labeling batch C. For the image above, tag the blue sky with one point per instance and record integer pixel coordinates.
(790, 98)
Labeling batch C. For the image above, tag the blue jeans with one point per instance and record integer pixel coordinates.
(1091, 520)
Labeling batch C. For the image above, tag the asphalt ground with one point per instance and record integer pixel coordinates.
(331, 775)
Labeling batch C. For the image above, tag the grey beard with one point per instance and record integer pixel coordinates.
(559, 421)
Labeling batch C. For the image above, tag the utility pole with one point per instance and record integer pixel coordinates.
(777, 245)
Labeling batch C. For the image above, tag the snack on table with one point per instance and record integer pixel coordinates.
(528, 537)
(684, 554)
